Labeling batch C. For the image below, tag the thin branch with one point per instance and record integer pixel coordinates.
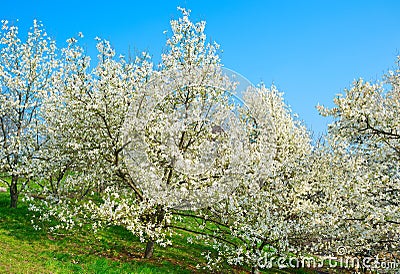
(199, 217)
(203, 233)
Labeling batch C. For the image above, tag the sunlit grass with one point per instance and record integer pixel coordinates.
(114, 250)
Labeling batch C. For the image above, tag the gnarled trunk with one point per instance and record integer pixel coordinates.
(254, 270)
(14, 192)
(148, 253)
(156, 218)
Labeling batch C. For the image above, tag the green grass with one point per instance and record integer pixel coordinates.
(114, 250)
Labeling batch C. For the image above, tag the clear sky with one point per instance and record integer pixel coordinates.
(311, 50)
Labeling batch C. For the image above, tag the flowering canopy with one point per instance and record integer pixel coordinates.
(125, 143)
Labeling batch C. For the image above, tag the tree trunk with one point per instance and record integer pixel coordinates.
(14, 192)
(149, 249)
(157, 218)
(254, 270)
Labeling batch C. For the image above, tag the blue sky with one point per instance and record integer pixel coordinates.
(311, 50)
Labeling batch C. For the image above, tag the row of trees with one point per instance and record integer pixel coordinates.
(124, 142)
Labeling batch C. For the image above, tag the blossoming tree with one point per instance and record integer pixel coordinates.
(123, 143)
(81, 168)
(366, 129)
(175, 127)
(269, 213)
(25, 73)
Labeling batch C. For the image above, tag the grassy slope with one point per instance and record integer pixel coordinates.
(24, 250)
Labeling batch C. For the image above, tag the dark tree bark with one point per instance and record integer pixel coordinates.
(157, 218)
(14, 192)
(149, 249)
(254, 270)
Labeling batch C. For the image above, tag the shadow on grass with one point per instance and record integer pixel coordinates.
(113, 250)
(16, 221)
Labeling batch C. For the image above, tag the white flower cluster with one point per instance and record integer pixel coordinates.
(363, 151)
(25, 75)
(162, 149)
